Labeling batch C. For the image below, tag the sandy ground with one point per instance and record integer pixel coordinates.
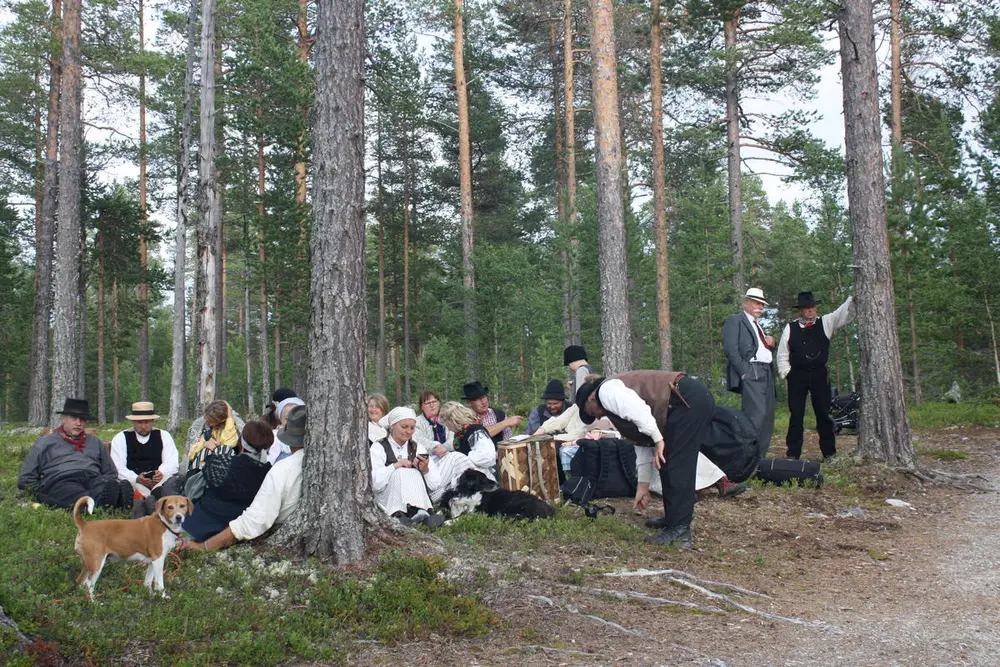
(877, 585)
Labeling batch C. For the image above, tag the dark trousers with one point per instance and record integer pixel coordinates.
(686, 430)
(816, 383)
(757, 392)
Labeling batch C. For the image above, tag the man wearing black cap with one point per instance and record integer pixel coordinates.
(803, 351)
(555, 402)
(496, 422)
(575, 359)
(666, 415)
(70, 463)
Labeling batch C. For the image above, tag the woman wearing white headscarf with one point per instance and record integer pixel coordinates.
(280, 450)
(401, 471)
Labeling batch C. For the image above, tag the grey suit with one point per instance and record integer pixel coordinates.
(753, 381)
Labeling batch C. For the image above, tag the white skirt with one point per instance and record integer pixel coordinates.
(450, 467)
(405, 487)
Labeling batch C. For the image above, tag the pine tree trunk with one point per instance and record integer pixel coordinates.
(572, 307)
(116, 413)
(993, 336)
(301, 167)
(883, 428)
(465, 196)
(178, 371)
(407, 194)
(38, 382)
(81, 321)
(659, 193)
(102, 413)
(277, 348)
(337, 503)
(612, 262)
(208, 241)
(67, 256)
(914, 356)
(142, 289)
(221, 329)
(247, 347)
(380, 217)
(734, 161)
(265, 360)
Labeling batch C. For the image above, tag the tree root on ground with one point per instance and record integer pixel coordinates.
(689, 577)
(597, 619)
(954, 480)
(642, 597)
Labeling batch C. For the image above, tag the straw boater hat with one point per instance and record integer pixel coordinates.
(142, 411)
(757, 294)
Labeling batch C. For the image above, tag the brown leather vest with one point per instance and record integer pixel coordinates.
(656, 389)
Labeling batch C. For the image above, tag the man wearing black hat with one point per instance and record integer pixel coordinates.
(667, 417)
(497, 423)
(69, 463)
(555, 402)
(575, 359)
(803, 351)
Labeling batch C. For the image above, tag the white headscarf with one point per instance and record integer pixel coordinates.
(293, 400)
(397, 415)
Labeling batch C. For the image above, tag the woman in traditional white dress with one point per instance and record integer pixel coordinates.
(378, 408)
(401, 471)
(471, 438)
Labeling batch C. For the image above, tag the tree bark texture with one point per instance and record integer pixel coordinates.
(883, 429)
(733, 151)
(67, 255)
(102, 413)
(209, 204)
(81, 318)
(659, 192)
(245, 319)
(116, 413)
(178, 374)
(407, 194)
(142, 289)
(337, 499)
(572, 334)
(38, 387)
(465, 196)
(380, 216)
(612, 261)
(265, 360)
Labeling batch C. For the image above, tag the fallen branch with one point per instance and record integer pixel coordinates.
(551, 649)
(597, 619)
(725, 599)
(954, 480)
(642, 597)
(689, 577)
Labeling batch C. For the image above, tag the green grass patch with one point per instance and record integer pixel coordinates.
(932, 415)
(944, 454)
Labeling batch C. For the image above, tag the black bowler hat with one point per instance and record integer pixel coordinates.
(76, 407)
(554, 391)
(574, 353)
(473, 390)
(582, 394)
(806, 300)
(281, 393)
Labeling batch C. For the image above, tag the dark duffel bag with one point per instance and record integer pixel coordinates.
(608, 464)
(783, 471)
(733, 443)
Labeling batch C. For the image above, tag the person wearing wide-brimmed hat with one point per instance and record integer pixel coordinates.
(554, 405)
(70, 463)
(278, 497)
(749, 370)
(803, 351)
(496, 422)
(146, 457)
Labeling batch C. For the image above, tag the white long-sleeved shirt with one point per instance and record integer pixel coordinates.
(624, 402)
(838, 319)
(482, 450)
(764, 355)
(276, 500)
(169, 459)
(567, 423)
(382, 472)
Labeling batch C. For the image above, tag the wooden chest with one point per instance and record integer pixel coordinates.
(530, 465)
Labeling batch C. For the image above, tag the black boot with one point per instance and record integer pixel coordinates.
(678, 536)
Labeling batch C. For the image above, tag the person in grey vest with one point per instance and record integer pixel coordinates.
(575, 360)
(749, 370)
(803, 351)
(667, 416)
(70, 463)
(144, 456)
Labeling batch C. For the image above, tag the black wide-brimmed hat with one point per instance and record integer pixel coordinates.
(281, 393)
(574, 353)
(582, 394)
(76, 407)
(806, 300)
(473, 390)
(293, 433)
(554, 391)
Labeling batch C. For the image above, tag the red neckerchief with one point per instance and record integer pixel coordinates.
(78, 443)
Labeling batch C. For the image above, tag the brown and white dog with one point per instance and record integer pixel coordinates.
(149, 539)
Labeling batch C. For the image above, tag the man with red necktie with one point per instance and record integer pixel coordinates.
(802, 355)
(748, 368)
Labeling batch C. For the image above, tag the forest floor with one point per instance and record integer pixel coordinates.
(830, 576)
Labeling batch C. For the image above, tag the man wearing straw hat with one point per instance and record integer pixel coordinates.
(146, 457)
(749, 370)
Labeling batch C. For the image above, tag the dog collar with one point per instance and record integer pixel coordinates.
(167, 525)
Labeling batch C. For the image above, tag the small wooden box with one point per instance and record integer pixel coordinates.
(530, 465)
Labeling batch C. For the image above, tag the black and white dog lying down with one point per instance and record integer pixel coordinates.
(475, 492)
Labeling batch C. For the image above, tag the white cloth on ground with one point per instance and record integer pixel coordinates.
(169, 459)
(276, 500)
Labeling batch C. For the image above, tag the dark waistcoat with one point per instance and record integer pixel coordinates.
(139, 457)
(808, 348)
